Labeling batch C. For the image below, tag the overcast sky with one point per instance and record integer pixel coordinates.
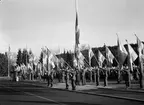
(51, 23)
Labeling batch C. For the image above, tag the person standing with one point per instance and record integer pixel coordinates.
(63, 75)
(97, 76)
(73, 78)
(51, 76)
(127, 77)
(77, 77)
(67, 78)
(105, 72)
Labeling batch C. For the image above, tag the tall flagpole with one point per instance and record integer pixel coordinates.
(8, 61)
(26, 56)
(76, 6)
(76, 35)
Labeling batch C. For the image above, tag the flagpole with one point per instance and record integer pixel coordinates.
(76, 6)
(26, 56)
(8, 61)
(76, 26)
(141, 82)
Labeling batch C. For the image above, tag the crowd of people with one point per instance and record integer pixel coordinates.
(76, 76)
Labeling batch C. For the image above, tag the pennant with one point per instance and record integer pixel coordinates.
(44, 52)
(109, 55)
(81, 59)
(74, 62)
(140, 47)
(131, 56)
(132, 53)
(53, 60)
(77, 31)
(61, 62)
(122, 53)
(101, 58)
(91, 54)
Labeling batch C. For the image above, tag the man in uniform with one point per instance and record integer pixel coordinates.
(67, 78)
(127, 77)
(73, 78)
(97, 76)
(105, 72)
(77, 77)
(83, 76)
(51, 76)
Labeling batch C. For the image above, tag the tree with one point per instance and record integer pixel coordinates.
(25, 57)
(69, 59)
(3, 64)
(19, 57)
(41, 58)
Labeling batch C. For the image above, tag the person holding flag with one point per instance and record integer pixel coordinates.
(90, 54)
(140, 49)
(101, 59)
(109, 61)
(122, 54)
(132, 56)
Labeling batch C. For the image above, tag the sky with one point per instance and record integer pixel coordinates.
(51, 23)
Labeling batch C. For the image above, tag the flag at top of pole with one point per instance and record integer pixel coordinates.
(77, 35)
(132, 56)
(122, 53)
(77, 31)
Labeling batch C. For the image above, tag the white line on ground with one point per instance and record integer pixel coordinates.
(44, 98)
(28, 93)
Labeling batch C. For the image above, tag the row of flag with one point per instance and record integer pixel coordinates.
(122, 54)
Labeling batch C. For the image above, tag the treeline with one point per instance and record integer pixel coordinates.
(3, 64)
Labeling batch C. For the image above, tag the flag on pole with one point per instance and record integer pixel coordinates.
(74, 62)
(77, 34)
(44, 52)
(122, 53)
(109, 55)
(101, 58)
(140, 47)
(77, 31)
(132, 56)
(132, 53)
(81, 59)
(62, 62)
(90, 54)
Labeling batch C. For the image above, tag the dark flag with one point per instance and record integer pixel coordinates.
(77, 35)
(77, 31)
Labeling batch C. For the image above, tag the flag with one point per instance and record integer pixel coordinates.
(77, 31)
(140, 47)
(81, 59)
(90, 54)
(61, 60)
(44, 52)
(132, 53)
(131, 56)
(122, 53)
(74, 62)
(77, 35)
(101, 58)
(109, 55)
(53, 60)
